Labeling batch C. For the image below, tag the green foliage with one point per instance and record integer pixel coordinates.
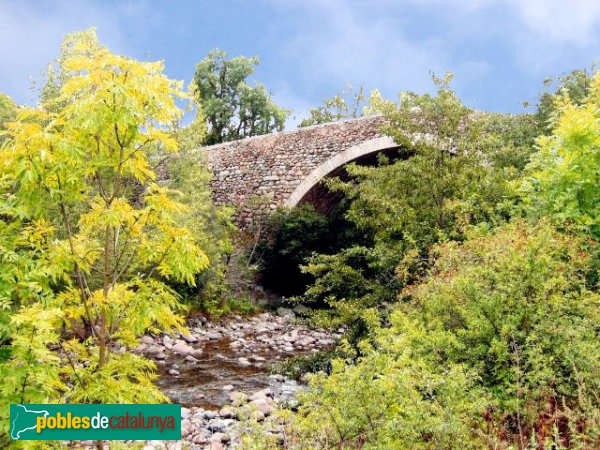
(575, 85)
(348, 290)
(497, 348)
(391, 400)
(88, 254)
(515, 308)
(290, 236)
(187, 172)
(563, 181)
(509, 141)
(299, 365)
(453, 175)
(345, 105)
(8, 112)
(233, 108)
(232, 305)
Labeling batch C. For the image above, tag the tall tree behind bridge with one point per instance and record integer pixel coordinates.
(233, 108)
(347, 104)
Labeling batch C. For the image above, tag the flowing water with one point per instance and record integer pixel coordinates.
(201, 384)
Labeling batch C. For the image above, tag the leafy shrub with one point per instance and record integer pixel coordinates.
(299, 365)
(212, 226)
(563, 174)
(499, 347)
(233, 305)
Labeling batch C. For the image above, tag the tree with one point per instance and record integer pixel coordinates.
(575, 85)
(89, 254)
(8, 112)
(563, 179)
(347, 104)
(233, 108)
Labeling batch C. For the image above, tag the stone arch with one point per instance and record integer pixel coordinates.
(371, 146)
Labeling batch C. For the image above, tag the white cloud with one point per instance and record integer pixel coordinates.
(338, 46)
(31, 35)
(573, 22)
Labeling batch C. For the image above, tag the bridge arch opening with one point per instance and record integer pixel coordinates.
(312, 189)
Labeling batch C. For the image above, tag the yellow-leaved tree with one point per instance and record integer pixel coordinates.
(87, 236)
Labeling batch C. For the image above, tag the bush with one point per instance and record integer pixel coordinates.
(498, 348)
(299, 365)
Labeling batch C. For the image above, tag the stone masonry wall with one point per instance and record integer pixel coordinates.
(270, 167)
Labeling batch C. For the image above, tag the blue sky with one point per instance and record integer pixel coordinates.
(499, 50)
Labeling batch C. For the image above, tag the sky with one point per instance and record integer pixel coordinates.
(500, 51)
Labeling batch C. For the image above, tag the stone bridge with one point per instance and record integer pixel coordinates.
(256, 175)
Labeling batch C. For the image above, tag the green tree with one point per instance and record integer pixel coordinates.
(347, 104)
(233, 108)
(575, 85)
(563, 179)
(88, 255)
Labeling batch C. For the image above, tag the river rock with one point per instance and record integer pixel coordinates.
(238, 398)
(226, 412)
(215, 445)
(153, 350)
(217, 425)
(263, 405)
(147, 340)
(243, 362)
(186, 427)
(183, 349)
(210, 415)
(285, 312)
(189, 338)
(220, 437)
(263, 394)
